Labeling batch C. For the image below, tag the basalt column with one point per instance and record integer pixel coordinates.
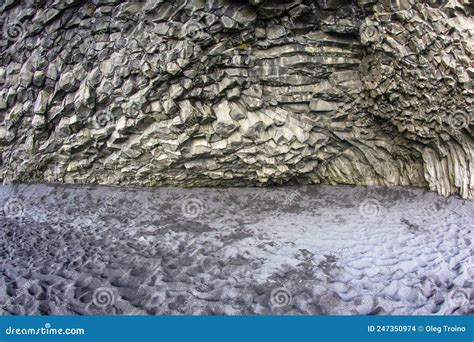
(224, 93)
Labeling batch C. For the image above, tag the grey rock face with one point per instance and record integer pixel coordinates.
(196, 93)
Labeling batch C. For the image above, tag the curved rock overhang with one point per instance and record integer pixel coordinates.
(224, 93)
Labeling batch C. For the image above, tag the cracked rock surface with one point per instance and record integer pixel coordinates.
(73, 250)
(219, 93)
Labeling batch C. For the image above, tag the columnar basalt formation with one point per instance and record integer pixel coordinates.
(211, 93)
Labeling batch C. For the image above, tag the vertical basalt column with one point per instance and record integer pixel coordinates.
(418, 79)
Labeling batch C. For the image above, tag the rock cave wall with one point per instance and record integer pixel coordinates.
(225, 93)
